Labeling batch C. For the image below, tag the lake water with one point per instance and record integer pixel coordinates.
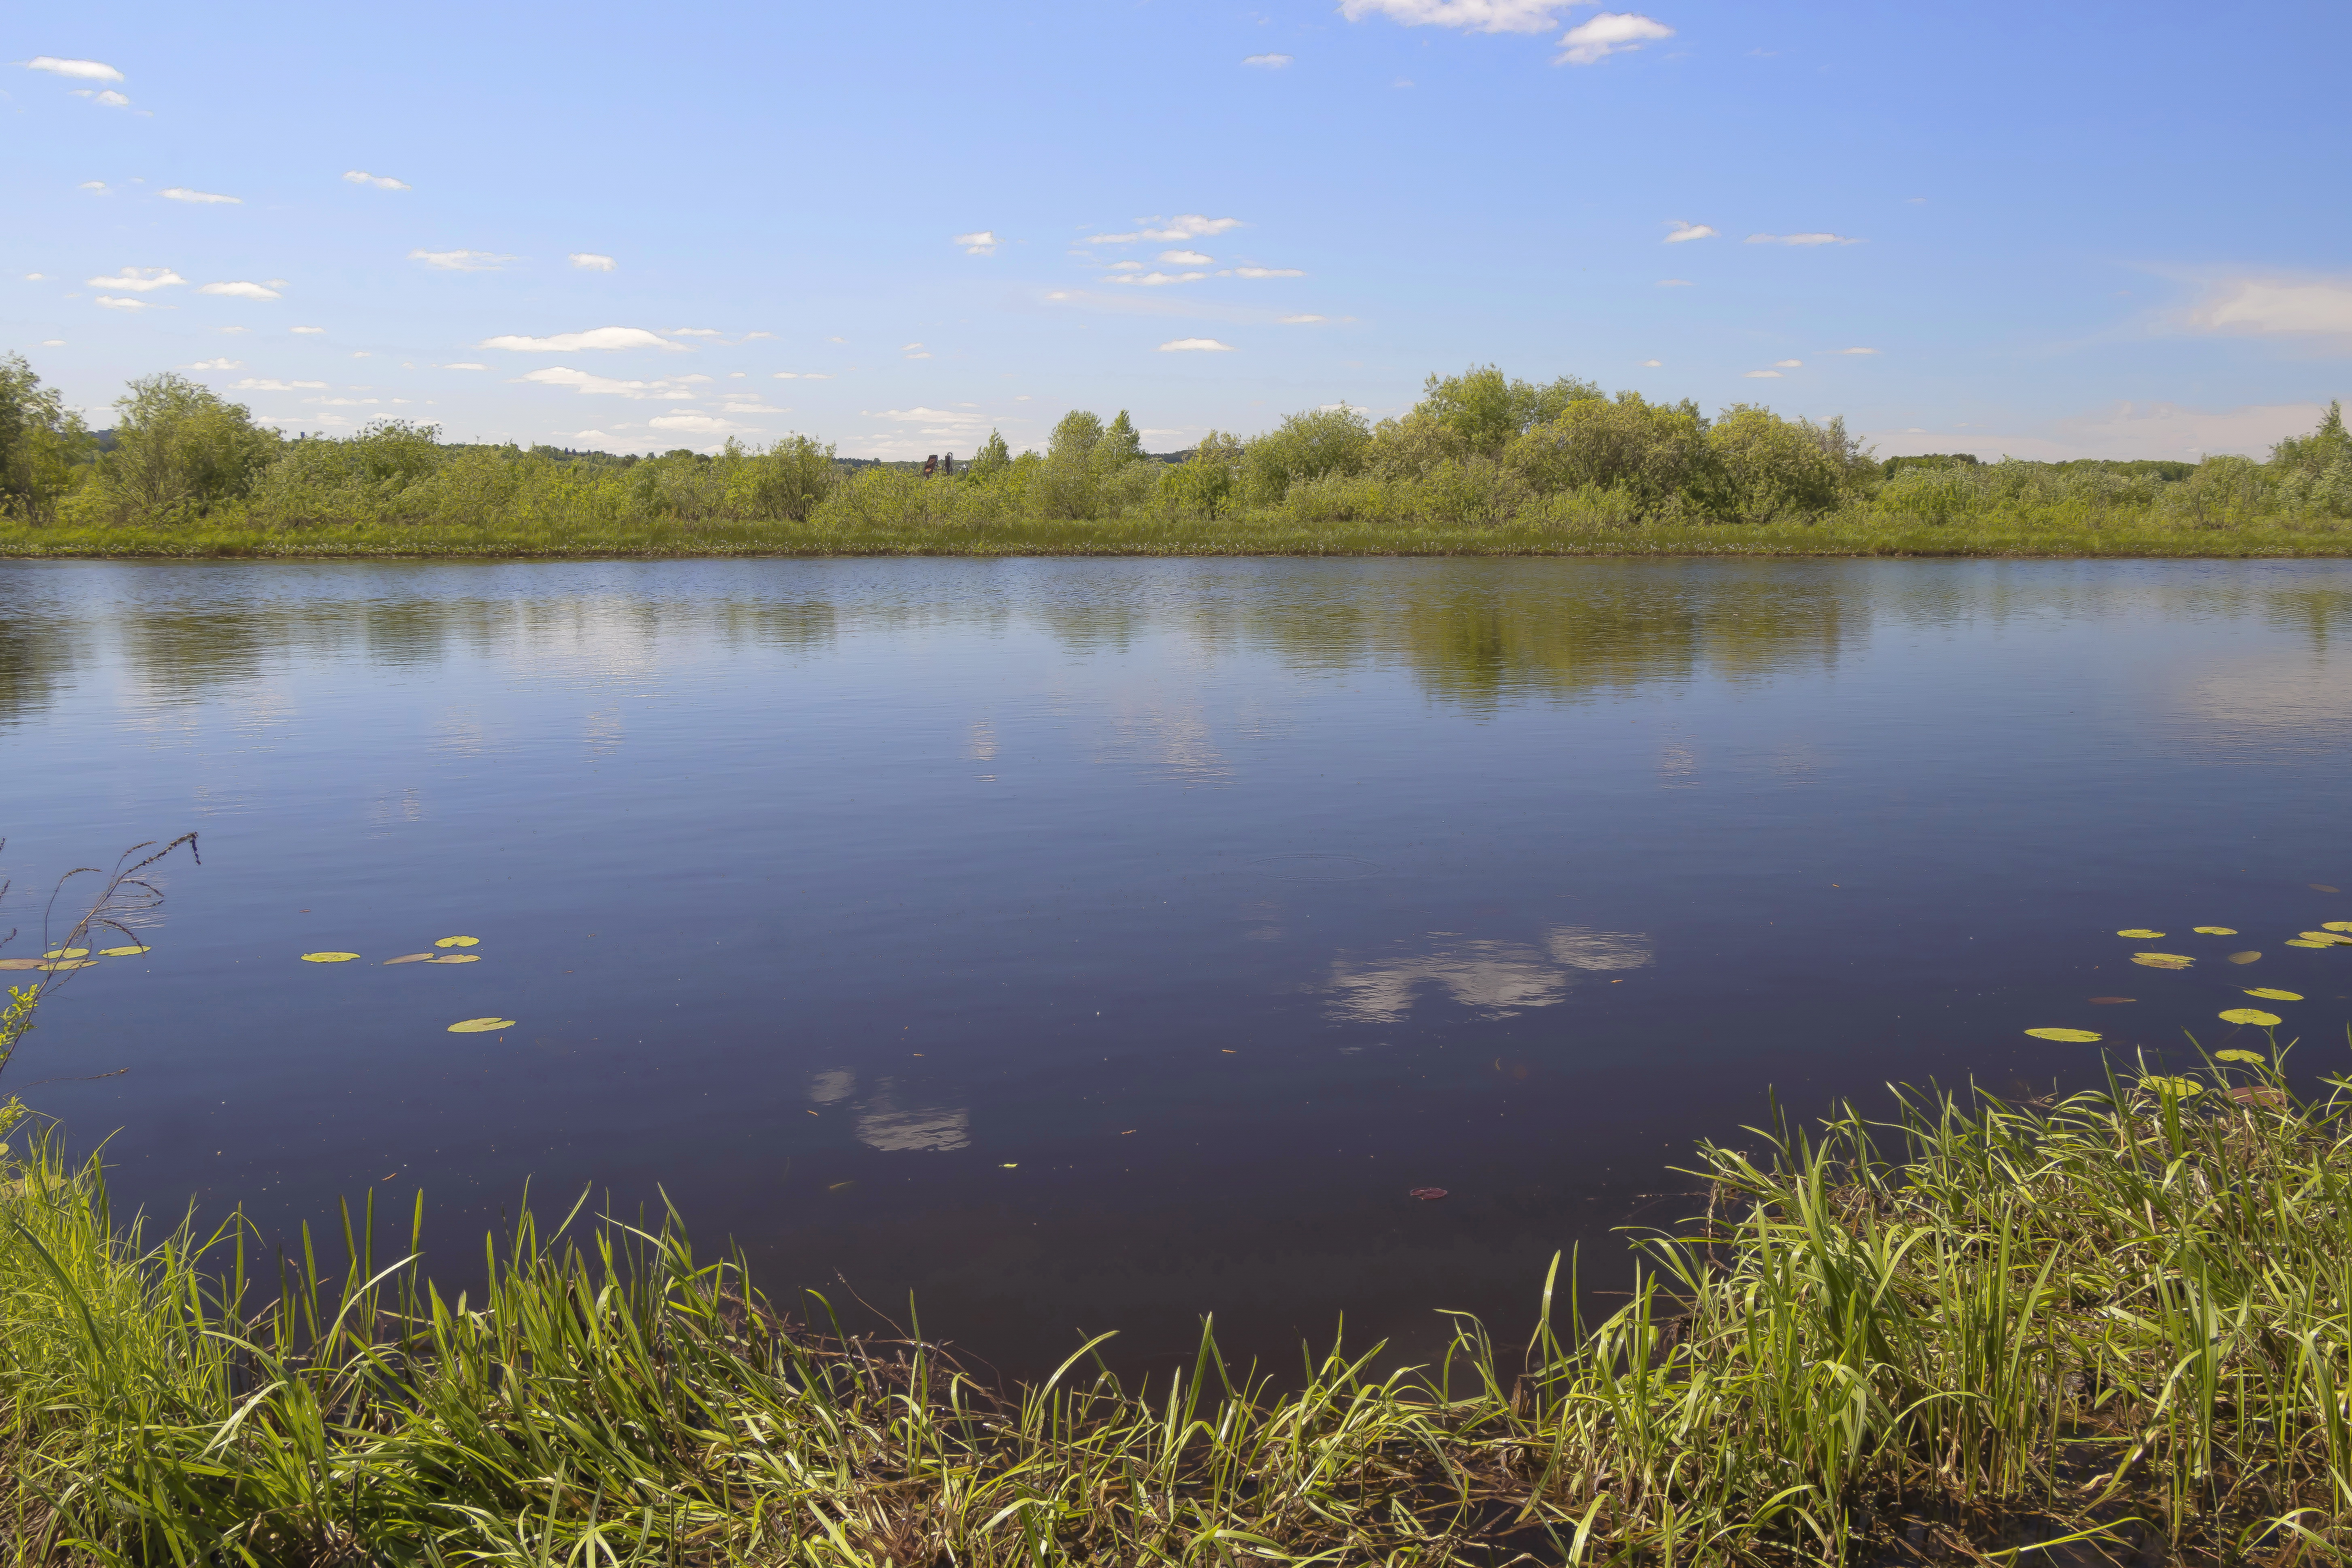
(1094, 944)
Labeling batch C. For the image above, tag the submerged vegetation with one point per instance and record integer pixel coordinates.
(1484, 463)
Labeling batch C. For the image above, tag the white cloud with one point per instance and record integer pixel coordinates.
(2270, 307)
(1789, 363)
(751, 409)
(693, 331)
(921, 354)
(307, 332)
(750, 337)
(461, 260)
(380, 182)
(80, 70)
(595, 338)
(91, 186)
(582, 381)
(1472, 15)
(1185, 259)
(215, 364)
(1188, 225)
(1674, 283)
(36, 277)
(181, 194)
(138, 280)
(980, 242)
(1651, 363)
(699, 424)
(909, 348)
(921, 416)
(1303, 320)
(1680, 231)
(110, 99)
(1155, 279)
(263, 384)
(113, 303)
(589, 262)
(1762, 374)
(588, 436)
(1854, 351)
(1267, 62)
(52, 343)
(240, 290)
(1265, 273)
(1127, 267)
(361, 354)
(465, 365)
(226, 331)
(1610, 33)
(1798, 240)
(1195, 345)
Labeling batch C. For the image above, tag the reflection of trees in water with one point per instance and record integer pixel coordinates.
(35, 659)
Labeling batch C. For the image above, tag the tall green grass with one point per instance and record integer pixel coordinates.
(1977, 1328)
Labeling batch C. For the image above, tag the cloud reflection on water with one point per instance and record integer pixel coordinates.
(1493, 979)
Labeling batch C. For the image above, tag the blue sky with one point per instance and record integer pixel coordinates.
(2080, 230)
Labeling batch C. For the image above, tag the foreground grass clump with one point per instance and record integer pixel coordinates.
(1981, 1328)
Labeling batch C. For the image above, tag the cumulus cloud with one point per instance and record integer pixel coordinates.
(379, 181)
(307, 332)
(1187, 225)
(1610, 33)
(461, 261)
(110, 99)
(980, 242)
(80, 70)
(138, 280)
(1798, 240)
(582, 381)
(112, 302)
(1789, 363)
(240, 290)
(2276, 308)
(919, 416)
(1679, 231)
(1651, 363)
(91, 186)
(465, 365)
(594, 338)
(1263, 272)
(1185, 259)
(215, 364)
(699, 424)
(1303, 320)
(37, 278)
(1471, 16)
(1267, 62)
(181, 194)
(1195, 345)
(263, 384)
(1155, 279)
(589, 262)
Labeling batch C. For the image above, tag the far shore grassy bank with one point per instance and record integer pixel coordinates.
(1860, 534)
(2120, 1320)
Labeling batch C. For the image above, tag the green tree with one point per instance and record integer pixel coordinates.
(1068, 482)
(178, 445)
(1485, 410)
(1765, 465)
(41, 443)
(1207, 480)
(1306, 446)
(792, 478)
(992, 459)
(1118, 446)
(1654, 452)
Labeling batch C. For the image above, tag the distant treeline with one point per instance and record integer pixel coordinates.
(1479, 448)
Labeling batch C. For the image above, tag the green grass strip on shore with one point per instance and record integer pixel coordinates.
(2123, 1316)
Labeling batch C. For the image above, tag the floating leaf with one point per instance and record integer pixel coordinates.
(2071, 1036)
(2299, 942)
(122, 952)
(329, 957)
(410, 958)
(2163, 960)
(2254, 1016)
(2244, 957)
(1427, 1195)
(2216, 931)
(58, 963)
(1010, 1165)
(22, 963)
(2182, 1086)
(2110, 1001)
(2141, 933)
(459, 942)
(2239, 1057)
(2337, 925)
(480, 1026)
(2322, 888)
(67, 952)
(2269, 995)
(456, 958)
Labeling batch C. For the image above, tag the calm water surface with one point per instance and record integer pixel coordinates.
(1099, 944)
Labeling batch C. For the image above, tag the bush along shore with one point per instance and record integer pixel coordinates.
(2120, 1319)
(1484, 464)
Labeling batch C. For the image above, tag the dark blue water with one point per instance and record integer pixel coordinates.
(1092, 944)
